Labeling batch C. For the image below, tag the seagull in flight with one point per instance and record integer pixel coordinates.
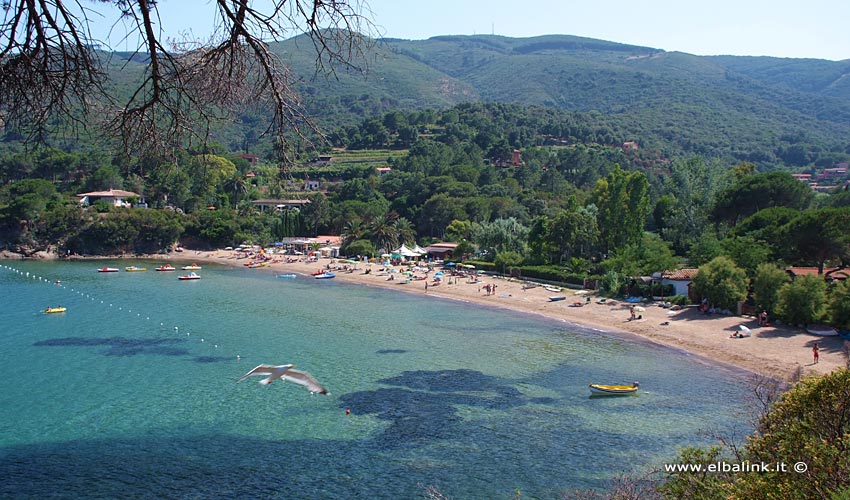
(286, 372)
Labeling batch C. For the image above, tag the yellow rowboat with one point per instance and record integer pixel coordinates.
(51, 310)
(613, 390)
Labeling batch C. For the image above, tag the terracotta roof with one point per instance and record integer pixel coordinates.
(830, 272)
(680, 274)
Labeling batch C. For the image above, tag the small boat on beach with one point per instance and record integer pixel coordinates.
(193, 267)
(135, 269)
(325, 276)
(613, 390)
(53, 310)
(190, 276)
(822, 330)
(255, 265)
(556, 298)
(167, 267)
(108, 270)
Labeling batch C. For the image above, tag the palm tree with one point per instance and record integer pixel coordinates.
(353, 230)
(238, 184)
(404, 231)
(383, 233)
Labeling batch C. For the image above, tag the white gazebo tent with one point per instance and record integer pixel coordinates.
(405, 252)
(419, 250)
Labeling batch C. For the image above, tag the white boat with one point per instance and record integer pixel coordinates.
(190, 276)
(556, 298)
(325, 276)
(287, 276)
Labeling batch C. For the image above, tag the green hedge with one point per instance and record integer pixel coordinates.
(547, 273)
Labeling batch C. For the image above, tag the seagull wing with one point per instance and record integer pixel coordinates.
(259, 370)
(305, 379)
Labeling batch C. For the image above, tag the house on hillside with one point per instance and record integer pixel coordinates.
(251, 159)
(264, 205)
(115, 197)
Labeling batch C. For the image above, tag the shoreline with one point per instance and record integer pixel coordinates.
(781, 353)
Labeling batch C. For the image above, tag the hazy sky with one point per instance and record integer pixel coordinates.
(781, 28)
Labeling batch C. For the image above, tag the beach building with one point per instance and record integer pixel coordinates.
(115, 197)
(681, 281)
(442, 250)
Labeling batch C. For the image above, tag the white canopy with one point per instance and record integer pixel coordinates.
(405, 252)
(419, 250)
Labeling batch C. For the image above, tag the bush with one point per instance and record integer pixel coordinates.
(808, 424)
(802, 301)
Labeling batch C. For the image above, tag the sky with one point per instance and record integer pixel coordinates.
(781, 28)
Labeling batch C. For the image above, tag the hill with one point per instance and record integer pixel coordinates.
(749, 108)
(769, 111)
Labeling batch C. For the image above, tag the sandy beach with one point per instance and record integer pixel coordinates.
(782, 353)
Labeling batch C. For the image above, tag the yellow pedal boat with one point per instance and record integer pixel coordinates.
(613, 390)
(51, 310)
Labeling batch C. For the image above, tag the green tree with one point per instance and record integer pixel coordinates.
(623, 205)
(651, 255)
(722, 282)
(757, 192)
(507, 260)
(573, 233)
(360, 247)
(501, 235)
(767, 281)
(839, 305)
(747, 252)
(821, 235)
(802, 301)
(695, 183)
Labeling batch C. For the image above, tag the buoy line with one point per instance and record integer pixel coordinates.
(26, 274)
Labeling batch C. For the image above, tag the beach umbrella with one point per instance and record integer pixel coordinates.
(449, 264)
(640, 308)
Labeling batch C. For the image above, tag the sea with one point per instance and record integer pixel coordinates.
(132, 392)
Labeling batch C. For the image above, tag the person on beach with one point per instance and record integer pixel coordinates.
(426, 286)
(632, 312)
(816, 352)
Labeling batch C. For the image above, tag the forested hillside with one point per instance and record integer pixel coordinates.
(772, 112)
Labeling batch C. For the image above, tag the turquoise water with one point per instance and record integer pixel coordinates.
(132, 393)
